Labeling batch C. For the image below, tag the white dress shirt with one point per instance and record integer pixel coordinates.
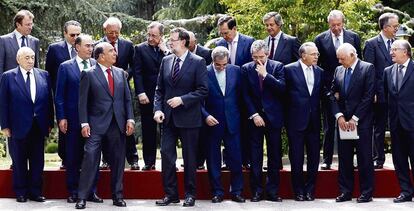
(80, 64)
(232, 46)
(32, 82)
(309, 76)
(221, 79)
(341, 38)
(19, 39)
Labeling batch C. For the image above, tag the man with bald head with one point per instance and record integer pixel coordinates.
(352, 96)
(106, 117)
(26, 118)
(199, 50)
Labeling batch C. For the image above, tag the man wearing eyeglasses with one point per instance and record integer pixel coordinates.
(20, 37)
(377, 51)
(147, 61)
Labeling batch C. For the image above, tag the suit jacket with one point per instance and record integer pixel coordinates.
(125, 56)
(376, 53)
(191, 85)
(225, 107)
(57, 53)
(17, 110)
(9, 47)
(268, 101)
(287, 50)
(243, 54)
(96, 104)
(327, 60)
(359, 98)
(303, 108)
(67, 92)
(400, 104)
(146, 67)
(205, 53)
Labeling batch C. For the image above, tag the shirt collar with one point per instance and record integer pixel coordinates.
(18, 35)
(354, 65)
(277, 37)
(340, 34)
(236, 38)
(406, 63)
(384, 38)
(182, 57)
(23, 71)
(80, 60)
(106, 40)
(303, 65)
(69, 45)
(103, 67)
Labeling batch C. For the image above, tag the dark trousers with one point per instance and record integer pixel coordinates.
(62, 147)
(365, 166)
(402, 156)
(380, 121)
(131, 152)
(149, 134)
(27, 180)
(115, 141)
(189, 139)
(214, 137)
(298, 140)
(274, 144)
(202, 151)
(328, 132)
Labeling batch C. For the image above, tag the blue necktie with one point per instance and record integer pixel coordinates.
(389, 45)
(28, 83)
(23, 41)
(176, 69)
(347, 78)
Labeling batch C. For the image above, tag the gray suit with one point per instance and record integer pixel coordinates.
(9, 47)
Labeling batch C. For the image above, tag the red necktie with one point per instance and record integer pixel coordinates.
(113, 44)
(272, 46)
(110, 81)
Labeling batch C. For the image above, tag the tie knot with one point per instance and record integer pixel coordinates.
(28, 73)
(23, 37)
(113, 43)
(84, 62)
(273, 39)
(400, 67)
(178, 60)
(108, 70)
(349, 69)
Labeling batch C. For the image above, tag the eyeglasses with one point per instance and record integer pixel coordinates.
(395, 49)
(314, 54)
(395, 26)
(74, 35)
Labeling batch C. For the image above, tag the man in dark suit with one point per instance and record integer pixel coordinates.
(181, 87)
(221, 114)
(398, 86)
(352, 96)
(327, 42)
(199, 50)
(264, 86)
(125, 54)
(105, 114)
(377, 51)
(239, 47)
(305, 89)
(58, 53)
(67, 115)
(283, 48)
(147, 61)
(20, 37)
(25, 118)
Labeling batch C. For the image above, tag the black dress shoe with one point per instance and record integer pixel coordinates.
(238, 198)
(119, 202)
(274, 198)
(135, 166)
(326, 166)
(256, 197)
(402, 198)
(95, 198)
(148, 167)
(72, 199)
(189, 202)
(104, 166)
(378, 166)
(38, 198)
(299, 197)
(217, 199)
(246, 167)
(364, 198)
(21, 199)
(309, 197)
(166, 201)
(201, 167)
(62, 167)
(343, 197)
(80, 204)
(225, 168)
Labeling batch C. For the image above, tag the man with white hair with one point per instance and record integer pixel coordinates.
(26, 118)
(327, 42)
(399, 84)
(352, 96)
(264, 88)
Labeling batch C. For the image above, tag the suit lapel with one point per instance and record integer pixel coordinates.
(328, 41)
(75, 68)
(20, 82)
(408, 72)
(394, 77)
(39, 84)
(240, 50)
(384, 51)
(213, 79)
(101, 77)
(15, 44)
(316, 78)
(117, 81)
(300, 74)
(187, 62)
(280, 46)
(355, 75)
(65, 51)
(229, 81)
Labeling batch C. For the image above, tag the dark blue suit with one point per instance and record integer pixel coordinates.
(357, 101)
(183, 121)
(226, 109)
(66, 106)
(29, 124)
(287, 50)
(376, 53)
(303, 125)
(328, 62)
(205, 53)
(147, 63)
(401, 117)
(268, 104)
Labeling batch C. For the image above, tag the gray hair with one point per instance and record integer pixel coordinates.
(347, 49)
(276, 16)
(112, 21)
(403, 44)
(23, 50)
(384, 19)
(336, 14)
(157, 24)
(220, 52)
(259, 45)
(304, 47)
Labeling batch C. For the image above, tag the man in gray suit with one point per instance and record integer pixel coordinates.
(20, 37)
(105, 114)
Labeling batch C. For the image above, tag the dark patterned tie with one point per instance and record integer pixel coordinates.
(400, 76)
(23, 41)
(272, 48)
(176, 69)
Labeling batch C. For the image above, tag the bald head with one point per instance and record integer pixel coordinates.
(193, 41)
(105, 54)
